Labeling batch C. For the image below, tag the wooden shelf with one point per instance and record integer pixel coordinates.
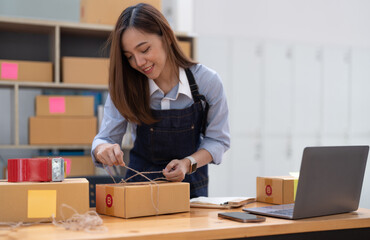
(52, 85)
(59, 147)
(49, 41)
(28, 24)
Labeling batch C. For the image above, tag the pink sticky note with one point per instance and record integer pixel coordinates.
(68, 165)
(9, 71)
(57, 105)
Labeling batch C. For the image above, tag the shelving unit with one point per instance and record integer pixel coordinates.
(37, 40)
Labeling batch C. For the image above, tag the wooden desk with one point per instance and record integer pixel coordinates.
(202, 224)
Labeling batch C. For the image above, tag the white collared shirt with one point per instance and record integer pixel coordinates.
(159, 101)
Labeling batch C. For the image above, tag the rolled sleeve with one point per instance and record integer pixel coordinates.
(112, 128)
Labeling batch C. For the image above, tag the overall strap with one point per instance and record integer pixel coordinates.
(198, 97)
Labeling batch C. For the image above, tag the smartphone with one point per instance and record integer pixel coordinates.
(241, 217)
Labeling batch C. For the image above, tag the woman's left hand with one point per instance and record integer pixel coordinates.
(176, 170)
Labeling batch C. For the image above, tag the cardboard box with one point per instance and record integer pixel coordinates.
(77, 106)
(276, 190)
(108, 11)
(38, 201)
(84, 70)
(186, 48)
(62, 130)
(26, 71)
(79, 166)
(141, 199)
(76, 166)
(5, 173)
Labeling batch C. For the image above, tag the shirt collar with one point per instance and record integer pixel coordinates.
(184, 87)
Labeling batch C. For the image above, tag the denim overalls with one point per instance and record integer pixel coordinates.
(176, 135)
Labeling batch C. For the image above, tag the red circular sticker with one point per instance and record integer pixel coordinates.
(268, 190)
(109, 200)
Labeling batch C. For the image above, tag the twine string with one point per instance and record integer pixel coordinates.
(89, 222)
(124, 181)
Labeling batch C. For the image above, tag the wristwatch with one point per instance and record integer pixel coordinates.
(193, 165)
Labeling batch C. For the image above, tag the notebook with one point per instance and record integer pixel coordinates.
(330, 182)
(220, 202)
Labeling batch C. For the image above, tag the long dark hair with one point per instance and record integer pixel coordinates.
(128, 88)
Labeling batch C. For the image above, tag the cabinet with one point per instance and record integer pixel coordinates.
(36, 40)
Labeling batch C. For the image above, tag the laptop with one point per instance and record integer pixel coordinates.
(330, 182)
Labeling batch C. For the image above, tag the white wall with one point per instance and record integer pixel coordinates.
(60, 10)
(344, 22)
(296, 73)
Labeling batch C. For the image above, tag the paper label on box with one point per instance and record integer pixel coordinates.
(57, 105)
(68, 163)
(42, 203)
(268, 190)
(9, 71)
(109, 200)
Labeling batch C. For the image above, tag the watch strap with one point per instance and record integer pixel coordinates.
(193, 164)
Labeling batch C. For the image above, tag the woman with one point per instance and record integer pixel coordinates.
(177, 107)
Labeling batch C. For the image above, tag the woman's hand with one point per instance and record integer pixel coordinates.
(109, 154)
(176, 170)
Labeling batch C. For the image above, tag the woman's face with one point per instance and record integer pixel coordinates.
(145, 53)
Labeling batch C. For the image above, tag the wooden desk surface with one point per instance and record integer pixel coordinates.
(196, 224)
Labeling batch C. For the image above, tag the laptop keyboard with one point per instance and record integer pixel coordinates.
(286, 212)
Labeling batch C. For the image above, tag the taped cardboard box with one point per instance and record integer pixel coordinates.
(62, 130)
(26, 71)
(39, 201)
(77, 106)
(108, 11)
(142, 199)
(85, 70)
(276, 190)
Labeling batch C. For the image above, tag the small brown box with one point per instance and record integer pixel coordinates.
(80, 166)
(26, 71)
(77, 106)
(186, 48)
(108, 11)
(142, 199)
(276, 190)
(84, 70)
(62, 130)
(38, 201)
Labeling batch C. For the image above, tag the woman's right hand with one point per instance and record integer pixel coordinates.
(109, 154)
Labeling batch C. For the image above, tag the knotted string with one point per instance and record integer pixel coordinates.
(10, 226)
(124, 181)
(89, 221)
